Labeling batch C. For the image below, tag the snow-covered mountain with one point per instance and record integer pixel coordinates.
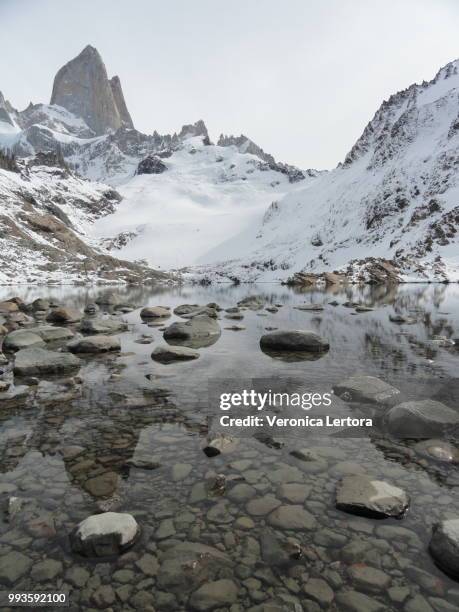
(230, 210)
(395, 197)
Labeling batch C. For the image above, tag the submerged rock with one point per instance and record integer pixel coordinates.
(213, 595)
(105, 534)
(438, 450)
(168, 354)
(422, 419)
(94, 344)
(219, 445)
(444, 546)
(366, 389)
(293, 517)
(367, 497)
(38, 361)
(294, 340)
(155, 312)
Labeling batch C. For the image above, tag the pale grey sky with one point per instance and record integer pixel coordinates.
(302, 78)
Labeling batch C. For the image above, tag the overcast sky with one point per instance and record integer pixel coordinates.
(301, 78)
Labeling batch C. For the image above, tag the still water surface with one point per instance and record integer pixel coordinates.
(140, 425)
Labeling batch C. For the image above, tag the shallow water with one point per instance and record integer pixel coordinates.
(120, 418)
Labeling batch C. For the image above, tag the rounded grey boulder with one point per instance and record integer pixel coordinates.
(20, 339)
(294, 340)
(154, 312)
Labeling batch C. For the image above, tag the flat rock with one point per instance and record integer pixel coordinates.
(102, 326)
(294, 340)
(369, 578)
(422, 419)
(13, 566)
(168, 354)
(20, 339)
(444, 546)
(39, 361)
(155, 312)
(105, 534)
(366, 389)
(52, 333)
(94, 344)
(215, 594)
(292, 517)
(368, 497)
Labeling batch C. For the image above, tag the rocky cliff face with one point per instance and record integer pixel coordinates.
(83, 88)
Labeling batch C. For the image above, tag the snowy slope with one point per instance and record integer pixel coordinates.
(206, 195)
(44, 215)
(395, 197)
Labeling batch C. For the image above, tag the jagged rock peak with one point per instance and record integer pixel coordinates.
(389, 121)
(120, 102)
(194, 129)
(245, 145)
(83, 88)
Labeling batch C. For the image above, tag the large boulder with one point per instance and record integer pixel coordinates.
(21, 338)
(444, 546)
(368, 497)
(101, 535)
(198, 331)
(102, 326)
(64, 315)
(94, 344)
(155, 312)
(422, 419)
(294, 341)
(369, 389)
(38, 361)
(170, 354)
